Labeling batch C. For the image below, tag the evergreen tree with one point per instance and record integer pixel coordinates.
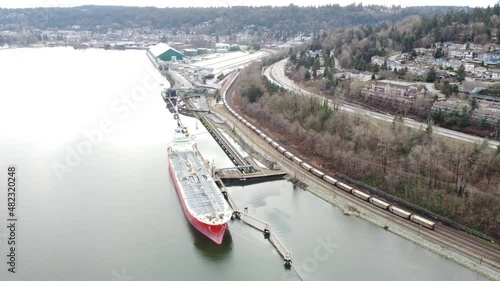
(326, 73)
(461, 73)
(307, 75)
(439, 53)
(474, 104)
(384, 65)
(431, 75)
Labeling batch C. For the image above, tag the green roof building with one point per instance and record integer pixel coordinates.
(164, 53)
(190, 52)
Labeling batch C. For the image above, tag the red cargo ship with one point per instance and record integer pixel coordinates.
(202, 201)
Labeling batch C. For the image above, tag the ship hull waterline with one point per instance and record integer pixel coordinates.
(214, 232)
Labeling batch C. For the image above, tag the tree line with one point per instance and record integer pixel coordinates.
(284, 22)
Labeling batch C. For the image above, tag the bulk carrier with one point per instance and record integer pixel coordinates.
(202, 201)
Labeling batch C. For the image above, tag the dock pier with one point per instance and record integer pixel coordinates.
(266, 229)
(246, 170)
(235, 157)
(257, 224)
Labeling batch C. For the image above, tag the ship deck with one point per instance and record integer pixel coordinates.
(200, 193)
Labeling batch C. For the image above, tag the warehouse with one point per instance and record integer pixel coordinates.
(164, 53)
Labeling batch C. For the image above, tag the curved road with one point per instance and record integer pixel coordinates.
(276, 74)
(448, 238)
(468, 245)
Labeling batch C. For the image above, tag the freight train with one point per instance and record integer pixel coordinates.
(330, 179)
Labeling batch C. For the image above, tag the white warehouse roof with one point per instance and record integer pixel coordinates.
(160, 49)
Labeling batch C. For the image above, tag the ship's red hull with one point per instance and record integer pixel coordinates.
(214, 232)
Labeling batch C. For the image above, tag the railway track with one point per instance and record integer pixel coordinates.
(442, 236)
(446, 237)
(489, 254)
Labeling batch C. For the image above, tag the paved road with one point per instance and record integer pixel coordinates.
(446, 237)
(276, 73)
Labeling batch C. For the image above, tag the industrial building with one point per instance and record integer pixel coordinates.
(222, 46)
(190, 52)
(163, 53)
(202, 51)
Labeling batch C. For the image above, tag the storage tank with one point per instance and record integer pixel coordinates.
(190, 52)
(202, 51)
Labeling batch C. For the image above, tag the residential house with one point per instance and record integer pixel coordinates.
(457, 53)
(450, 105)
(489, 111)
(454, 64)
(476, 47)
(492, 74)
(394, 65)
(470, 54)
(393, 90)
(469, 67)
(491, 59)
(418, 70)
(426, 59)
(377, 60)
(479, 71)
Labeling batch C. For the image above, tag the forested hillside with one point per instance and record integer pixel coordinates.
(453, 179)
(283, 21)
(355, 47)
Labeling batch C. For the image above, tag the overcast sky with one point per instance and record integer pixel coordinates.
(205, 3)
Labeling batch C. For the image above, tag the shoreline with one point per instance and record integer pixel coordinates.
(396, 229)
(345, 207)
(75, 47)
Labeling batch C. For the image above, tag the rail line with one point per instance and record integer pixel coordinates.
(448, 237)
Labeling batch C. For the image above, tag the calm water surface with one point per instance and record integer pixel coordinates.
(87, 131)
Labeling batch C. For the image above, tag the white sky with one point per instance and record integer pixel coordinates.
(205, 3)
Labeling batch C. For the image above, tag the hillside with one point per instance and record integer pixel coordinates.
(355, 47)
(282, 21)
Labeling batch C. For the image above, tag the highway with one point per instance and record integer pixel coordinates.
(276, 74)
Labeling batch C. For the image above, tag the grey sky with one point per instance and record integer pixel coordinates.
(205, 3)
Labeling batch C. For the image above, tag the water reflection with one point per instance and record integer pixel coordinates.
(209, 249)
